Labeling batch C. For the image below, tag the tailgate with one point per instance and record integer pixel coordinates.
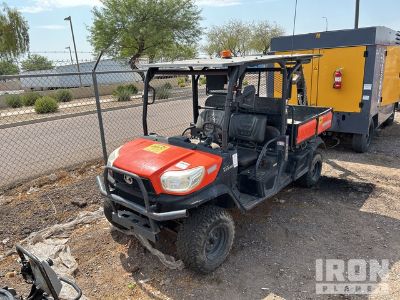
(306, 122)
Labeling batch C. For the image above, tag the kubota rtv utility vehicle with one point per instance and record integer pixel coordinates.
(245, 145)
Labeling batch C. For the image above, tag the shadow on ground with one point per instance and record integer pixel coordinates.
(383, 150)
(277, 243)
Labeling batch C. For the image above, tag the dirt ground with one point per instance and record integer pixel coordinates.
(354, 212)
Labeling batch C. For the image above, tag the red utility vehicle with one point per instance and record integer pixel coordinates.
(245, 145)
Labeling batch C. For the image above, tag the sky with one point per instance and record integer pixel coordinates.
(49, 32)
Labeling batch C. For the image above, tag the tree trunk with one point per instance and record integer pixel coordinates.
(133, 64)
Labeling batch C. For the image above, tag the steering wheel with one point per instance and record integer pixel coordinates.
(213, 132)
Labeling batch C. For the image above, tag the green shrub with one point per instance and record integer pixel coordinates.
(245, 83)
(202, 80)
(167, 86)
(13, 101)
(181, 80)
(122, 95)
(118, 90)
(46, 105)
(63, 95)
(182, 85)
(130, 88)
(162, 93)
(29, 99)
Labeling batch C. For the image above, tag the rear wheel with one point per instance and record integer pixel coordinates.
(361, 142)
(313, 175)
(390, 120)
(205, 238)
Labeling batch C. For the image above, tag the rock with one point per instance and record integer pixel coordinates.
(79, 202)
(52, 177)
(11, 274)
(5, 200)
(5, 241)
(26, 230)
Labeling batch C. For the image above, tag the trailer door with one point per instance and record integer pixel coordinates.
(391, 76)
(351, 62)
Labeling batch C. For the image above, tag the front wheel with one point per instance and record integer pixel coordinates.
(313, 174)
(108, 210)
(205, 238)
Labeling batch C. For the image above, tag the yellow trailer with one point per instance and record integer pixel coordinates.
(357, 74)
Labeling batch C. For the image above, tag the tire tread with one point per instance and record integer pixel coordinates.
(191, 235)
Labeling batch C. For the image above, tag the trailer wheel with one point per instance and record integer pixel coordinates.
(390, 120)
(205, 238)
(313, 175)
(361, 142)
(108, 209)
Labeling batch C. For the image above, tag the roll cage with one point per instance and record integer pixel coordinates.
(234, 70)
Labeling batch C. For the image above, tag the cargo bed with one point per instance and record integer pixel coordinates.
(307, 122)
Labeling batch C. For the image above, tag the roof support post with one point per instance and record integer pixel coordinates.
(149, 76)
(195, 92)
(233, 74)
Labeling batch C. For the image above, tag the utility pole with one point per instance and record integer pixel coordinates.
(70, 54)
(357, 14)
(326, 23)
(76, 53)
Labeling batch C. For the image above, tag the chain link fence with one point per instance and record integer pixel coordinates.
(49, 120)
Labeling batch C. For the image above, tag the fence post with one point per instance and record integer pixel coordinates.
(98, 107)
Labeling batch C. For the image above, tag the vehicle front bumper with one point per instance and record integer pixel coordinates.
(144, 220)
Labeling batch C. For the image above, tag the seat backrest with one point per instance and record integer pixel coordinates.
(247, 98)
(217, 101)
(210, 115)
(248, 127)
(268, 105)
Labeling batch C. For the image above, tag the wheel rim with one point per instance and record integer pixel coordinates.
(216, 242)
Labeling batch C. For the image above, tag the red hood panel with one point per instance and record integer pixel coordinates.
(140, 158)
(150, 159)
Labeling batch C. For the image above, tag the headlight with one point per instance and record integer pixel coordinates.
(182, 181)
(113, 156)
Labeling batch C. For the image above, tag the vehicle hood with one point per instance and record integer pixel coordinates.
(150, 159)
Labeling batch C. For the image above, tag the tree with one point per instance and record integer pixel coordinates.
(36, 62)
(14, 37)
(233, 35)
(263, 32)
(154, 28)
(241, 38)
(8, 67)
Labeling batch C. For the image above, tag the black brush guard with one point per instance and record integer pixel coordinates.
(141, 219)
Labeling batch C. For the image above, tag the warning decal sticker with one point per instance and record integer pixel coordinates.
(156, 148)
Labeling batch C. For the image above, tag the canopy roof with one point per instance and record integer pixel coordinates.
(234, 61)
